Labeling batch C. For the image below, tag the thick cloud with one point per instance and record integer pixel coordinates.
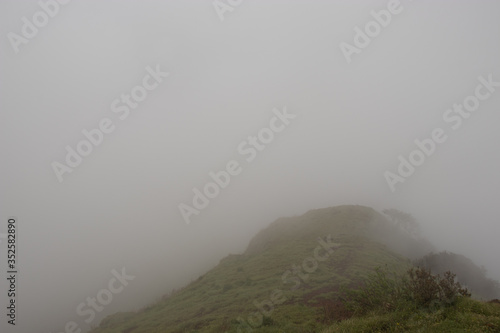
(79, 79)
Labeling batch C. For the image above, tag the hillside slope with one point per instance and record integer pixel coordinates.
(288, 277)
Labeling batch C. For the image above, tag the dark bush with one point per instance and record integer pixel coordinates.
(417, 289)
(426, 289)
(468, 273)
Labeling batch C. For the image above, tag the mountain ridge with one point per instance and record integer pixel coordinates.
(289, 277)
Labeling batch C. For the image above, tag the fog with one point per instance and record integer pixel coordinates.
(339, 106)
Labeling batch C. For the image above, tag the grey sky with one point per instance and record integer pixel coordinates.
(119, 207)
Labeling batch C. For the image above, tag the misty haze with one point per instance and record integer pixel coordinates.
(249, 166)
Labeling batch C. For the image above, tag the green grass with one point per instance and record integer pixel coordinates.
(467, 315)
(220, 299)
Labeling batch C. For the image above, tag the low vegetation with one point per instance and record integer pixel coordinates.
(252, 291)
(416, 302)
(468, 273)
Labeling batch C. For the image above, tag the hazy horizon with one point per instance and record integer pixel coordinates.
(264, 90)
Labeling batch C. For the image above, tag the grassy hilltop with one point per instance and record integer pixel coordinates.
(293, 277)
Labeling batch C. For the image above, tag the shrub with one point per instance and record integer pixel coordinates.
(428, 290)
(467, 271)
(417, 289)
